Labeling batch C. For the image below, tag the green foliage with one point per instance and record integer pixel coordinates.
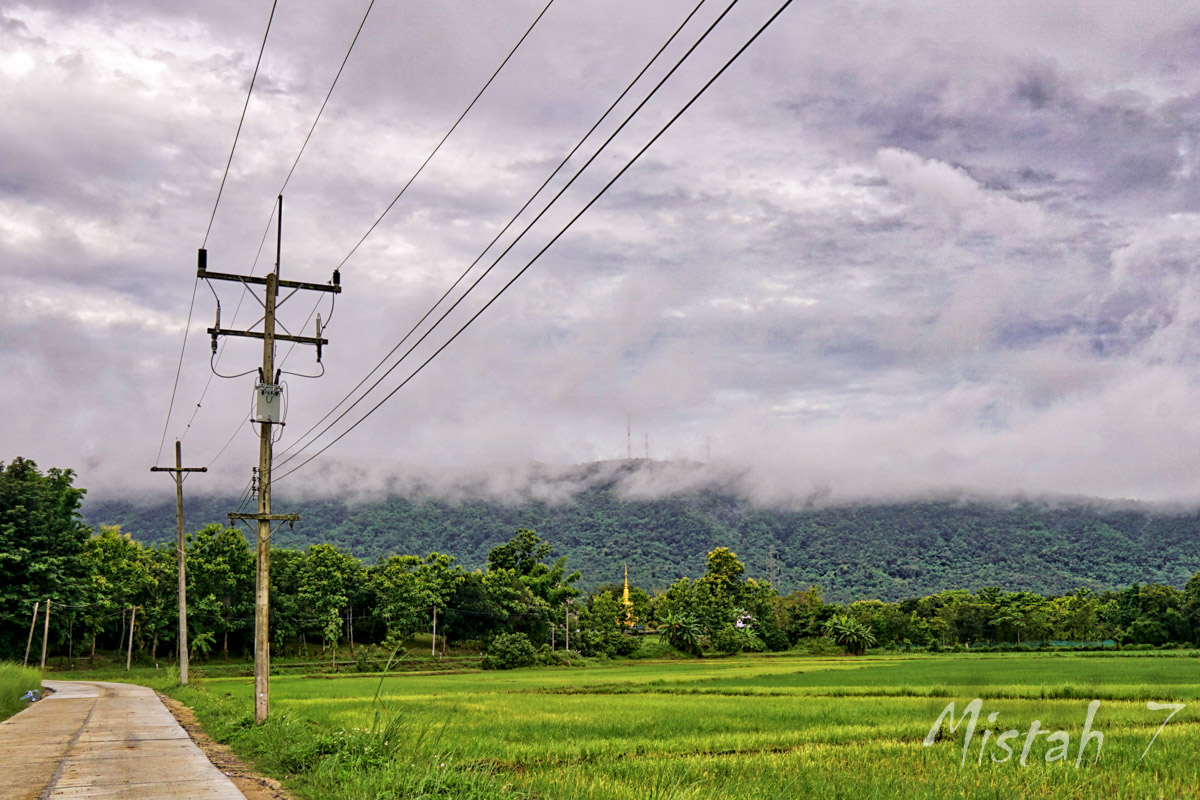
(728, 639)
(15, 681)
(220, 578)
(41, 543)
(509, 651)
(887, 551)
(326, 594)
(849, 633)
(683, 632)
(602, 628)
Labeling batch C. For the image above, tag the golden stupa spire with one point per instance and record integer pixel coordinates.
(625, 599)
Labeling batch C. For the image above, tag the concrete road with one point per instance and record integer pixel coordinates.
(103, 740)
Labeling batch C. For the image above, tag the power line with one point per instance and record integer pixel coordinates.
(447, 136)
(557, 236)
(208, 230)
(178, 369)
(213, 372)
(328, 94)
(503, 230)
(245, 106)
(424, 163)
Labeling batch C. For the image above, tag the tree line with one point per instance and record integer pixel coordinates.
(521, 601)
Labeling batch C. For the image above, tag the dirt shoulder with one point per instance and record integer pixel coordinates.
(251, 784)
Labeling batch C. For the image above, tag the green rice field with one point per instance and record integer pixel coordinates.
(757, 726)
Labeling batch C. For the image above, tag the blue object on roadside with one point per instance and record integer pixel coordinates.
(33, 695)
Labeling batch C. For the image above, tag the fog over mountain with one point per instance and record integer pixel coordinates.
(898, 250)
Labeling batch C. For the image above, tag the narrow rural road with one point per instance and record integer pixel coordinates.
(103, 740)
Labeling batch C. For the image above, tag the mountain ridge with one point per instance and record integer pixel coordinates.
(884, 550)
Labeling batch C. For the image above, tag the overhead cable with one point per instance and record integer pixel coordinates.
(549, 244)
(502, 231)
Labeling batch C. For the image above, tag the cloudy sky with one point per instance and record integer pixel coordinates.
(897, 248)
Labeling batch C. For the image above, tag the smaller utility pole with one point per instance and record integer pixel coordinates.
(433, 647)
(178, 471)
(32, 625)
(129, 652)
(771, 565)
(567, 616)
(45, 633)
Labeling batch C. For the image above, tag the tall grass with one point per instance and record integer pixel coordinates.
(752, 727)
(15, 681)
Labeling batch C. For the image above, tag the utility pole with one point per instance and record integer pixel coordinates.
(267, 414)
(567, 616)
(45, 633)
(129, 652)
(433, 647)
(178, 472)
(32, 626)
(771, 565)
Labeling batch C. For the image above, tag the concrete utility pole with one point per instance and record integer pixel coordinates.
(178, 472)
(433, 647)
(129, 652)
(32, 626)
(45, 633)
(267, 413)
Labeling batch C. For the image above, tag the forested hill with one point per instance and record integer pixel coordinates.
(853, 552)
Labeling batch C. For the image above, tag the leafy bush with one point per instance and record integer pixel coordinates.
(849, 633)
(729, 639)
(509, 651)
(656, 649)
(626, 644)
(558, 658)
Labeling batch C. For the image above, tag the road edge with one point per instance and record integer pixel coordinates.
(253, 785)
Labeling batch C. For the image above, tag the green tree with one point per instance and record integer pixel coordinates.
(323, 576)
(220, 577)
(41, 541)
(849, 633)
(683, 632)
(719, 592)
(119, 578)
(603, 629)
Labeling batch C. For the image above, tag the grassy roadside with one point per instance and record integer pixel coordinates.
(15, 681)
(391, 757)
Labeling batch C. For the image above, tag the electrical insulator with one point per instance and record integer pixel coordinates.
(318, 338)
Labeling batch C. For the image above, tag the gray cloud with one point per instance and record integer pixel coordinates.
(898, 249)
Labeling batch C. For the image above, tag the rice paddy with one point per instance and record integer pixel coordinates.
(767, 727)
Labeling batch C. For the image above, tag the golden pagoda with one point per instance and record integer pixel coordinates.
(625, 599)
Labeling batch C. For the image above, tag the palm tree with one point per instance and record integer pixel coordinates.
(683, 632)
(849, 633)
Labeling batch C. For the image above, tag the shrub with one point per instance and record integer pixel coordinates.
(509, 651)
(728, 639)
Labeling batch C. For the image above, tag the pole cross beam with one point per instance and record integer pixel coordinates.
(177, 475)
(279, 337)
